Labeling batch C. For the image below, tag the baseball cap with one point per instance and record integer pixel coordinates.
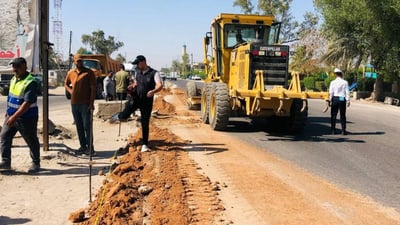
(139, 59)
(336, 70)
(77, 57)
(18, 61)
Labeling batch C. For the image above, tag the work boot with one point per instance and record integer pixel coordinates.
(344, 132)
(4, 165)
(34, 168)
(81, 151)
(87, 152)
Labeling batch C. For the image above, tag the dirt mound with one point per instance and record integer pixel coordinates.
(158, 187)
(163, 107)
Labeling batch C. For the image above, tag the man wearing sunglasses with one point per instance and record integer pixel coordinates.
(22, 115)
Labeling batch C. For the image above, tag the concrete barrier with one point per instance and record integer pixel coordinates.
(105, 109)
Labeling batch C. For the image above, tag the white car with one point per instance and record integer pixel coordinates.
(196, 77)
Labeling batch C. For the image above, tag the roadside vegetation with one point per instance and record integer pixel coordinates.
(349, 34)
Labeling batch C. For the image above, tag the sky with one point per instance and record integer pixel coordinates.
(157, 29)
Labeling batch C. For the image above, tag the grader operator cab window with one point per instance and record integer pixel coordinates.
(274, 34)
(247, 33)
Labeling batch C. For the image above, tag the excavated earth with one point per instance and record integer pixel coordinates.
(194, 175)
(158, 187)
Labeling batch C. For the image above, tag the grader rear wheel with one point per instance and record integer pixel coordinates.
(298, 118)
(219, 106)
(205, 102)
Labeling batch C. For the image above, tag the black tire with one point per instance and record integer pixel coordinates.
(205, 102)
(191, 90)
(219, 106)
(297, 120)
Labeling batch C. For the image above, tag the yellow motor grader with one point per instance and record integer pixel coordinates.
(247, 74)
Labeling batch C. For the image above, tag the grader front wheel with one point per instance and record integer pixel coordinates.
(205, 102)
(191, 91)
(219, 106)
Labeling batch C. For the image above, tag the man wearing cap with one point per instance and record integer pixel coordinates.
(80, 82)
(339, 95)
(147, 83)
(22, 115)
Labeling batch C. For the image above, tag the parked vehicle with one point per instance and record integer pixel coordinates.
(196, 77)
(100, 64)
(5, 80)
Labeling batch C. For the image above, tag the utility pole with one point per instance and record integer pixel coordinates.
(44, 46)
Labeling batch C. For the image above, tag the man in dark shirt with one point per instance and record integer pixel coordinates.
(22, 115)
(147, 83)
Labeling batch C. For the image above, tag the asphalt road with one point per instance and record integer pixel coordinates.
(365, 161)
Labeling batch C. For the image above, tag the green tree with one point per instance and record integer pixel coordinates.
(246, 6)
(120, 58)
(83, 50)
(360, 30)
(99, 44)
(309, 47)
(185, 64)
(55, 60)
(279, 8)
(175, 66)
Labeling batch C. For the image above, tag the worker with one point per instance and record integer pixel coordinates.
(109, 86)
(22, 116)
(339, 96)
(122, 80)
(142, 90)
(80, 82)
(239, 39)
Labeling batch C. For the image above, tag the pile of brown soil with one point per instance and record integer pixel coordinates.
(158, 187)
(161, 106)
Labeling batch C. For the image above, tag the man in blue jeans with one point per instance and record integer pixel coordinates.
(80, 82)
(22, 116)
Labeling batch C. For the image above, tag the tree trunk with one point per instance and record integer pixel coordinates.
(395, 87)
(377, 94)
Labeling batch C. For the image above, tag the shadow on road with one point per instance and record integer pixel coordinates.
(317, 129)
(8, 220)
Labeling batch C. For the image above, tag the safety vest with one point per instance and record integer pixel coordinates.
(16, 97)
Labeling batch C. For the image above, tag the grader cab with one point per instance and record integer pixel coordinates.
(247, 74)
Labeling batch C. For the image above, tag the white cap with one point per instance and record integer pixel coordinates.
(336, 70)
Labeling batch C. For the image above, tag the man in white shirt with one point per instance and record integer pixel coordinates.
(109, 86)
(339, 96)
